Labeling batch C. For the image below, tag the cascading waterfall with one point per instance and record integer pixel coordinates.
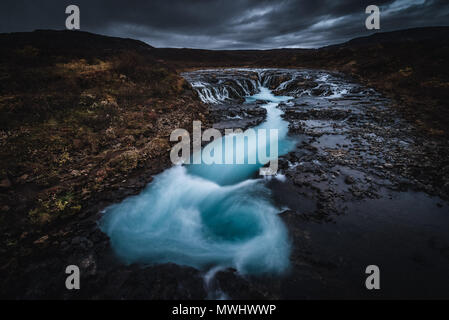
(207, 216)
(226, 174)
(189, 220)
(233, 84)
(212, 216)
(223, 88)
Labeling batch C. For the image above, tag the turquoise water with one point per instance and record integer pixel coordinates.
(225, 174)
(207, 216)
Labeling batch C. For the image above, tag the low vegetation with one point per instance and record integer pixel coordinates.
(76, 125)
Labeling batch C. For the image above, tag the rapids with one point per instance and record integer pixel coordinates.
(209, 216)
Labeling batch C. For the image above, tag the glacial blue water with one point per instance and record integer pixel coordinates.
(225, 174)
(207, 216)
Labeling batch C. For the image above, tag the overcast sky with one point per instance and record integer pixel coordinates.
(225, 24)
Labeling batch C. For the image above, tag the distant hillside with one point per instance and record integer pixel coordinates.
(411, 66)
(406, 64)
(69, 43)
(406, 35)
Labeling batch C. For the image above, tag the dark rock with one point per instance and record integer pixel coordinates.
(5, 183)
(349, 180)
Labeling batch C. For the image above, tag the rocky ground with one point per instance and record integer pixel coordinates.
(360, 163)
(239, 116)
(80, 129)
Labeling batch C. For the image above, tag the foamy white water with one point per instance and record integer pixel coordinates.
(206, 216)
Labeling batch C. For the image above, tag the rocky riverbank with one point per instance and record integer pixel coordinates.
(358, 189)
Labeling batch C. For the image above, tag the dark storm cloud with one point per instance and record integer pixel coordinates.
(230, 24)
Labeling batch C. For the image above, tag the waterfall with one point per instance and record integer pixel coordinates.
(230, 87)
(214, 217)
(210, 217)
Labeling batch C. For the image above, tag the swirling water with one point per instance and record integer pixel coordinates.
(206, 216)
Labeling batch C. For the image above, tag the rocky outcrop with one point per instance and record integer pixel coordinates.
(237, 116)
